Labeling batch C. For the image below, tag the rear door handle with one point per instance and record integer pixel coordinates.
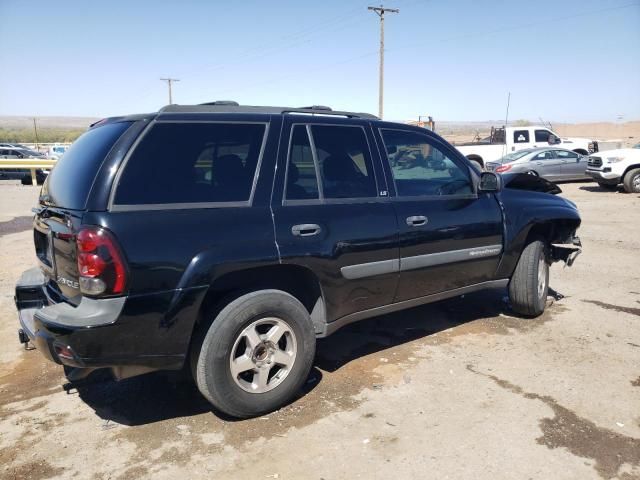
(306, 229)
(417, 220)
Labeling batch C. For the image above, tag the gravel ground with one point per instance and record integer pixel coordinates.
(457, 389)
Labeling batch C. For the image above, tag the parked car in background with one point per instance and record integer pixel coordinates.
(19, 152)
(225, 239)
(57, 151)
(554, 164)
(613, 167)
(12, 145)
(505, 140)
(22, 174)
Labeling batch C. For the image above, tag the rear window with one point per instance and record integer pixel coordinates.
(69, 183)
(192, 163)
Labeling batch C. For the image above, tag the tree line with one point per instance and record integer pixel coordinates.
(45, 135)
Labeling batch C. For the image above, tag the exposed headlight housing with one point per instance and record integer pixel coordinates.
(614, 159)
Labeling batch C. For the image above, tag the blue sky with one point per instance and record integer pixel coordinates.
(562, 60)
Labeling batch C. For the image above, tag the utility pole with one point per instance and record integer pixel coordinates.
(35, 131)
(380, 11)
(169, 83)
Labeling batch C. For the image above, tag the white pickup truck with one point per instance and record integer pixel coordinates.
(614, 167)
(505, 140)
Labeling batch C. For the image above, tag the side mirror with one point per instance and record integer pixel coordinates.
(490, 182)
(553, 140)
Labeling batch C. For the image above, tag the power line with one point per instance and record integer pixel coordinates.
(169, 83)
(522, 26)
(380, 11)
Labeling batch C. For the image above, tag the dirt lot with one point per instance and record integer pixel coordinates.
(458, 389)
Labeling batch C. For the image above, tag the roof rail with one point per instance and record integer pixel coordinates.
(317, 107)
(222, 102)
(227, 106)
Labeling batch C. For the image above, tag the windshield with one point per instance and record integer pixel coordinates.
(637, 145)
(512, 157)
(26, 152)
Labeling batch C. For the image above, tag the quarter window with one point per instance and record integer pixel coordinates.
(420, 167)
(521, 136)
(192, 163)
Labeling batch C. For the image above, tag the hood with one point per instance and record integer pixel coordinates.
(620, 152)
(526, 181)
(575, 139)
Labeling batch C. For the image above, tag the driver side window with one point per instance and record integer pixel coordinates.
(421, 168)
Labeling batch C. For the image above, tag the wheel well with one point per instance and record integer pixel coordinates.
(293, 279)
(476, 158)
(556, 231)
(581, 151)
(628, 169)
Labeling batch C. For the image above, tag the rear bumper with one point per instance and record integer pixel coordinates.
(123, 333)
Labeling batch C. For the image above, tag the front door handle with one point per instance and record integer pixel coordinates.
(417, 220)
(306, 229)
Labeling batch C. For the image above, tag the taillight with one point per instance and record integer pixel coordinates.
(101, 265)
(503, 168)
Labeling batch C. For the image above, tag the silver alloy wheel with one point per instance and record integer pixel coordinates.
(542, 276)
(636, 183)
(263, 355)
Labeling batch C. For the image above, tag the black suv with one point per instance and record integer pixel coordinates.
(225, 239)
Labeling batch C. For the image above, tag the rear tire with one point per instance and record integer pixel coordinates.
(256, 354)
(529, 283)
(632, 181)
(477, 165)
(608, 186)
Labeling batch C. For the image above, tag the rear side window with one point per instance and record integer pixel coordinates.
(192, 163)
(521, 136)
(69, 183)
(547, 155)
(344, 162)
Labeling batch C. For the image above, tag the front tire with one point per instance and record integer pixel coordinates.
(529, 283)
(256, 354)
(632, 181)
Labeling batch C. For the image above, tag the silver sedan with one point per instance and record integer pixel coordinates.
(554, 164)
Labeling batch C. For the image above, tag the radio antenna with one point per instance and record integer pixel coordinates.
(506, 118)
(506, 123)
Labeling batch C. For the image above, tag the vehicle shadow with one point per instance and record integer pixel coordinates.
(161, 396)
(596, 188)
(387, 331)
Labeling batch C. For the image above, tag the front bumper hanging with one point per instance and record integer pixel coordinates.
(567, 252)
